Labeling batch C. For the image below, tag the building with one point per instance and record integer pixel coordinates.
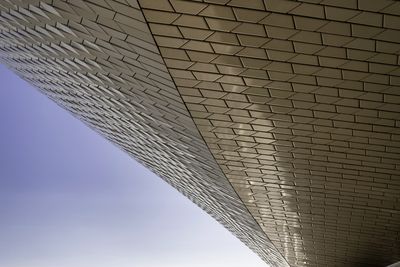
(281, 119)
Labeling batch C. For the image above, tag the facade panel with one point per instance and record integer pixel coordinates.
(98, 60)
(279, 118)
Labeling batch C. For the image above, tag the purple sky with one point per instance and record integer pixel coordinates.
(70, 198)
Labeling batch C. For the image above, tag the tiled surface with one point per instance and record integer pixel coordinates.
(98, 60)
(299, 102)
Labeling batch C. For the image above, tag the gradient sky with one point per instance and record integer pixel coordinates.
(69, 198)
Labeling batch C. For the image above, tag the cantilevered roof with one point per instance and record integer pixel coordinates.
(279, 118)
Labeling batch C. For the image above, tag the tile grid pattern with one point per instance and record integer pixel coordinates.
(98, 60)
(299, 101)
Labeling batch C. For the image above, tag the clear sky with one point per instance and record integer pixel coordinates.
(69, 198)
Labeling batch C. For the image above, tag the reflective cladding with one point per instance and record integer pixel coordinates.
(98, 60)
(299, 102)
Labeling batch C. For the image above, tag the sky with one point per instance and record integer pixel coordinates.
(68, 197)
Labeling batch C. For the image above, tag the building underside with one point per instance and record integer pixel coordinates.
(281, 119)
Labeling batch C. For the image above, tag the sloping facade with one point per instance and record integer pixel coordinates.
(281, 119)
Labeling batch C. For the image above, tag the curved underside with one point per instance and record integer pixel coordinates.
(279, 118)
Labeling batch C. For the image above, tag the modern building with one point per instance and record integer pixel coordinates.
(281, 119)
